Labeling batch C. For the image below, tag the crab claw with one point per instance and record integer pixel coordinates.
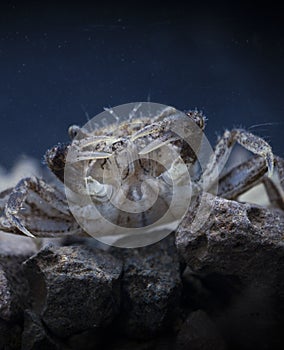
(16, 223)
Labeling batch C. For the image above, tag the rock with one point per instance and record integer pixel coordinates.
(151, 289)
(10, 336)
(74, 288)
(13, 286)
(198, 332)
(34, 336)
(9, 303)
(241, 246)
(238, 239)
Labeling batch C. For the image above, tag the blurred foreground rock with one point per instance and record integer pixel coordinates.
(221, 287)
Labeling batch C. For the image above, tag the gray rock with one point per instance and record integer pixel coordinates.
(9, 305)
(13, 286)
(34, 336)
(238, 239)
(198, 332)
(74, 288)
(151, 288)
(243, 244)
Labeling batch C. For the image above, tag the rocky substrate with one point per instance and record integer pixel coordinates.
(221, 287)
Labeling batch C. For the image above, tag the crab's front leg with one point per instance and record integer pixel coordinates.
(53, 200)
(223, 150)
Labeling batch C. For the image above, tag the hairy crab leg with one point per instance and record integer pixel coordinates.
(279, 163)
(41, 224)
(242, 177)
(273, 193)
(223, 150)
(250, 173)
(19, 194)
(42, 227)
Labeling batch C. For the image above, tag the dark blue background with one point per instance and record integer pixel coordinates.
(62, 63)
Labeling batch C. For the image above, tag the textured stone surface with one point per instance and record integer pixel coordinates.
(151, 288)
(199, 333)
(34, 336)
(83, 297)
(9, 304)
(238, 257)
(74, 288)
(13, 285)
(242, 240)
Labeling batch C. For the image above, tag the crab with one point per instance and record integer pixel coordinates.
(128, 163)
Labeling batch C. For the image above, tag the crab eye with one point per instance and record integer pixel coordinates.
(73, 131)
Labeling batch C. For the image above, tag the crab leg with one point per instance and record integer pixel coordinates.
(242, 177)
(250, 173)
(279, 163)
(223, 150)
(273, 193)
(41, 224)
(19, 194)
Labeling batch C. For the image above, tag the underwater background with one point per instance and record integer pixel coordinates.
(61, 64)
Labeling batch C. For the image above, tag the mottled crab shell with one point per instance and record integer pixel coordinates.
(131, 172)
